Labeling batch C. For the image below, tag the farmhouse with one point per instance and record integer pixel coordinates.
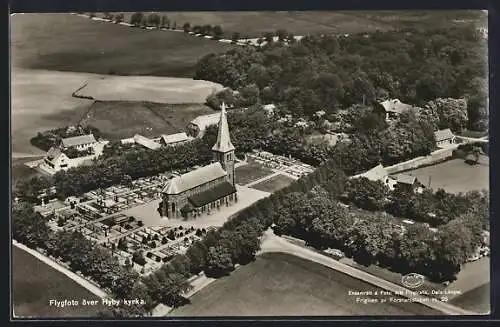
(146, 142)
(408, 183)
(379, 173)
(393, 108)
(206, 188)
(71, 152)
(269, 109)
(81, 142)
(197, 126)
(444, 137)
(174, 139)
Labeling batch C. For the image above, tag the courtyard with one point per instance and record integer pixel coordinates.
(148, 212)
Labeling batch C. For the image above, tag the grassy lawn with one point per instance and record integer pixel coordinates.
(477, 300)
(21, 172)
(41, 100)
(251, 172)
(274, 184)
(70, 43)
(455, 175)
(254, 24)
(282, 284)
(122, 119)
(149, 88)
(34, 283)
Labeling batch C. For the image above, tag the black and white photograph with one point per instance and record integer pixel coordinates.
(199, 164)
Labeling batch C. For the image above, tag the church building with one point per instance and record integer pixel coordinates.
(205, 189)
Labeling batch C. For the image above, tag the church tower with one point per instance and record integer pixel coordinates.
(223, 150)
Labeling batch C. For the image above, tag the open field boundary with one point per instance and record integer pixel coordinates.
(273, 243)
(434, 158)
(68, 273)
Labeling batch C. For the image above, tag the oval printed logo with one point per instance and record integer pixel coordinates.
(413, 280)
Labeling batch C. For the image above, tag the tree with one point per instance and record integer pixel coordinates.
(119, 18)
(281, 34)
(136, 19)
(235, 37)
(219, 262)
(138, 258)
(366, 194)
(217, 32)
(249, 95)
(186, 27)
(154, 20)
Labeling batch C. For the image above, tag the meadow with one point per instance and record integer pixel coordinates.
(34, 283)
(455, 175)
(66, 42)
(124, 119)
(250, 24)
(285, 285)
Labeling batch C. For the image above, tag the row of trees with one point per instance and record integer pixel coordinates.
(117, 169)
(330, 73)
(139, 19)
(372, 237)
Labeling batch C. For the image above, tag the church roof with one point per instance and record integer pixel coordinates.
(194, 178)
(223, 143)
(78, 140)
(215, 193)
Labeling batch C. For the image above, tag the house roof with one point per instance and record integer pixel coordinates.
(270, 106)
(217, 192)
(406, 179)
(175, 138)
(443, 134)
(376, 173)
(145, 142)
(78, 140)
(223, 143)
(194, 178)
(206, 120)
(53, 154)
(395, 105)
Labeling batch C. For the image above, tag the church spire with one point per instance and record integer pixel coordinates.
(223, 143)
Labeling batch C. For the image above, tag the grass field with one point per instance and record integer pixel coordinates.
(21, 172)
(477, 300)
(34, 283)
(122, 119)
(254, 24)
(250, 172)
(70, 43)
(282, 284)
(41, 100)
(274, 184)
(455, 175)
(149, 88)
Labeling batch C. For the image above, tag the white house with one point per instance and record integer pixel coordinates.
(444, 137)
(146, 142)
(81, 142)
(379, 173)
(197, 126)
(174, 139)
(393, 108)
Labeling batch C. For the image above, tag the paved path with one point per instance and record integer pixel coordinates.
(273, 243)
(276, 173)
(78, 279)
